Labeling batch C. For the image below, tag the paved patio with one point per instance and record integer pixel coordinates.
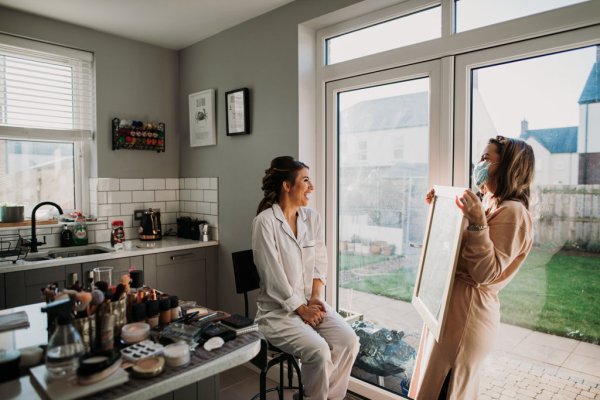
(523, 365)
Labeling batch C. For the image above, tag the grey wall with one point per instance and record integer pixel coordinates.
(262, 55)
(133, 81)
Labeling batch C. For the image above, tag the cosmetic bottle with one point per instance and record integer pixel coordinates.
(64, 348)
(164, 304)
(175, 309)
(152, 313)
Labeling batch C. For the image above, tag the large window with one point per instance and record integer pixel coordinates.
(46, 116)
(402, 31)
(471, 14)
(535, 79)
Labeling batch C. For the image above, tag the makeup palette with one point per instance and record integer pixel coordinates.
(141, 350)
(149, 367)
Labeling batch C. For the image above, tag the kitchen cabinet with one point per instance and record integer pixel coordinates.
(120, 266)
(24, 287)
(190, 274)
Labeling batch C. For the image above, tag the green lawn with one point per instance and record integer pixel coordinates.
(556, 293)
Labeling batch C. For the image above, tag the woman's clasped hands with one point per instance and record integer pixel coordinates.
(313, 312)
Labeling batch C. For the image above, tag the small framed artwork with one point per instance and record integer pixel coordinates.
(439, 255)
(238, 112)
(203, 124)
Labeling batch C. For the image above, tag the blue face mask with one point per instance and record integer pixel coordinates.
(481, 172)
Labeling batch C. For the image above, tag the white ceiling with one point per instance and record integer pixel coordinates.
(172, 24)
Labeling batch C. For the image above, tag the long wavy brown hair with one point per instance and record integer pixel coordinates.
(516, 171)
(283, 169)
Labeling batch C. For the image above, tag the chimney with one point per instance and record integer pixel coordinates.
(524, 127)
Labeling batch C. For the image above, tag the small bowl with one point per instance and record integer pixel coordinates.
(135, 332)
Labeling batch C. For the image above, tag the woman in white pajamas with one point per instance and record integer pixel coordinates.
(289, 252)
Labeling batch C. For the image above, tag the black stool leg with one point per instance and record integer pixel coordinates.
(281, 387)
(290, 373)
(263, 385)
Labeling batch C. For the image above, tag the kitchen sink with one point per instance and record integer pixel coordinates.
(67, 252)
(78, 251)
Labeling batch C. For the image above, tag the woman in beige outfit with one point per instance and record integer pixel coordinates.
(495, 244)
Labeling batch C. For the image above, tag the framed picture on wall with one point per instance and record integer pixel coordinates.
(237, 112)
(439, 255)
(203, 124)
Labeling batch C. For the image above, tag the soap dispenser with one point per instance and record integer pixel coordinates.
(66, 237)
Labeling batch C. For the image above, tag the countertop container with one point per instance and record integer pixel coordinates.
(12, 213)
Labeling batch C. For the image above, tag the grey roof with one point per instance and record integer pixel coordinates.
(591, 90)
(556, 140)
(387, 113)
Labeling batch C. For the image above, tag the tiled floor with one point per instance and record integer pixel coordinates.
(241, 383)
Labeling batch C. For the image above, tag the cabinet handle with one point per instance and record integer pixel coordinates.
(173, 258)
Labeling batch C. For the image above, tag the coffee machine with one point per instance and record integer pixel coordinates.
(150, 228)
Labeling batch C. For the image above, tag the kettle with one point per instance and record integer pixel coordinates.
(150, 228)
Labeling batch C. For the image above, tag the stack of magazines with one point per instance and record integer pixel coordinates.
(239, 324)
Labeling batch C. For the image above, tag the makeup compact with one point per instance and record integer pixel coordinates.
(149, 367)
(135, 332)
(177, 354)
(96, 367)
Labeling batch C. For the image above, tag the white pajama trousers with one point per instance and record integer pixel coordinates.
(326, 352)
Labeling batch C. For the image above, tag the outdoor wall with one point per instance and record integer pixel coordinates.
(133, 81)
(262, 55)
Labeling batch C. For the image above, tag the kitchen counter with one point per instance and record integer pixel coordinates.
(138, 248)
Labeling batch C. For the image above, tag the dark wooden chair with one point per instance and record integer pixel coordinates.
(247, 280)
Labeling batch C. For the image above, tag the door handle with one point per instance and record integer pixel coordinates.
(416, 245)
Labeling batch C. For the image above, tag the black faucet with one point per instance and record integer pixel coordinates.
(34, 242)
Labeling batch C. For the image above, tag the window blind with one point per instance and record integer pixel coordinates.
(45, 86)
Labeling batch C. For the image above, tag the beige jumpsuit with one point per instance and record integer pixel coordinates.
(488, 261)
(287, 265)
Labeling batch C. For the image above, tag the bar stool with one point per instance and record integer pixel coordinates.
(246, 280)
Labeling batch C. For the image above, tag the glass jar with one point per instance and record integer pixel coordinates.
(117, 236)
(64, 348)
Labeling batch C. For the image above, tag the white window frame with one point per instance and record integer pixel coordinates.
(82, 139)
(314, 143)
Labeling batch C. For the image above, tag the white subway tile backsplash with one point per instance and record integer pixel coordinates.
(172, 183)
(102, 235)
(189, 206)
(203, 183)
(131, 184)
(185, 195)
(154, 184)
(118, 197)
(165, 195)
(210, 196)
(142, 196)
(196, 195)
(203, 208)
(106, 210)
(128, 209)
(156, 205)
(191, 183)
(102, 197)
(107, 184)
(172, 206)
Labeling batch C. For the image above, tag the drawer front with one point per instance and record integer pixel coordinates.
(174, 257)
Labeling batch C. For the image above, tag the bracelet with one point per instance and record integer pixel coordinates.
(476, 228)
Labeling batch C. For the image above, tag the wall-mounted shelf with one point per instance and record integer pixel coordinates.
(138, 135)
